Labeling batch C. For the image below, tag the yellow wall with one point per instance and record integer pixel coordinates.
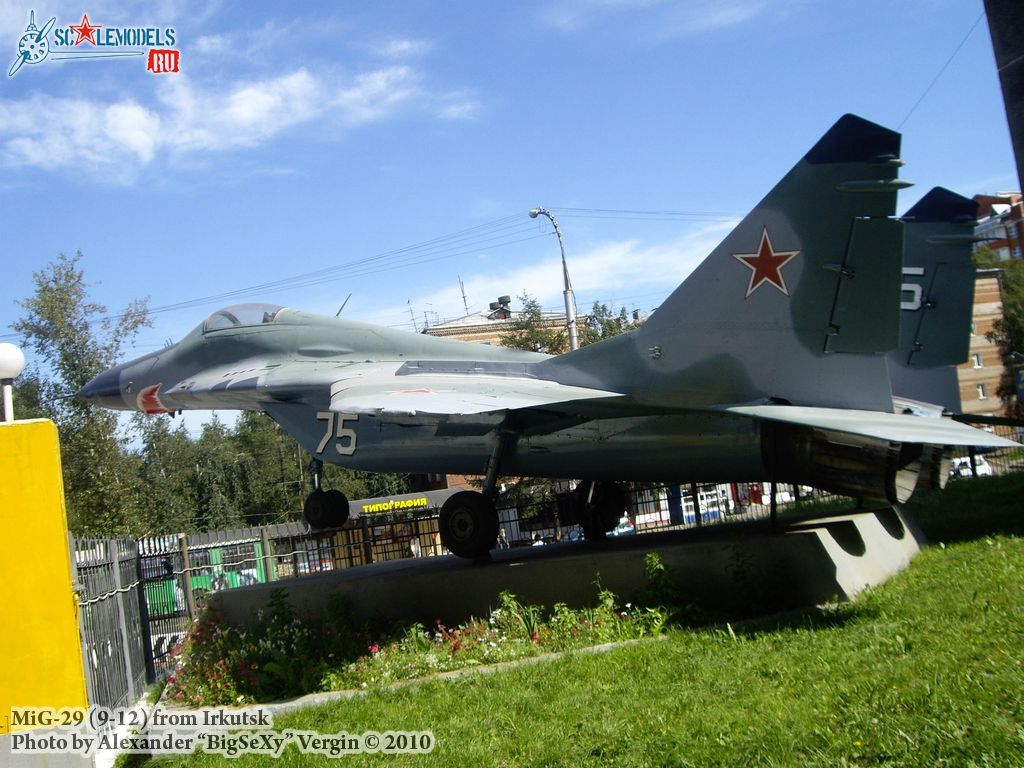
(40, 651)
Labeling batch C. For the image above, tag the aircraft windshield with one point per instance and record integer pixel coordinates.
(241, 315)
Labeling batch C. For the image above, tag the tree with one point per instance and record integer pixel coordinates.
(1008, 332)
(602, 324)
(75, 340)
(168, 467)
(533, 332)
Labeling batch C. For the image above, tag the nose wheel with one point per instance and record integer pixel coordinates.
(469, 525)
(324, 509)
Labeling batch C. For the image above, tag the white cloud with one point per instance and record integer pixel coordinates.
(53, 132)
(664, 18)
(401, 47)
(460, 108)
(610, 270)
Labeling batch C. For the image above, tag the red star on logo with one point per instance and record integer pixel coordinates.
(766, 265)
(85, 30)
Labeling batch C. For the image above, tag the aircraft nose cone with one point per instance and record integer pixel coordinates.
(104, 390)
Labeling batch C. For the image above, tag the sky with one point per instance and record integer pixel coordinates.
(388, 150)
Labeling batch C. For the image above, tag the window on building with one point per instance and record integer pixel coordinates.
(982, 392)
(976, 359)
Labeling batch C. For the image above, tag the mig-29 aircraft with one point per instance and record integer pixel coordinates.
(770, 362)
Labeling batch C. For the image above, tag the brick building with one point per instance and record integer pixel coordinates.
(979, 377)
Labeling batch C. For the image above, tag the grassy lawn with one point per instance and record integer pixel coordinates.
(925, 670)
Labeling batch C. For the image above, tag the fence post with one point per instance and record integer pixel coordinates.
(269, 561)
(83, 634)
(186, 576)
(695, 493)
(126, 652)
(367, 541)
(147, 635)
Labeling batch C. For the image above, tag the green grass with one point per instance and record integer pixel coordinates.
(924, 670)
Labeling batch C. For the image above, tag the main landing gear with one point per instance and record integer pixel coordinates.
(469, 521)
(324, 509)
(598, 505)
(469, 525)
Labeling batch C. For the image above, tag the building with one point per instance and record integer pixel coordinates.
(1001, 219)
(979, 377)
(489, 326)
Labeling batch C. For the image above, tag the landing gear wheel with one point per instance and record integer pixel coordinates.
(325, 509)
(598, 510)
(468, 525)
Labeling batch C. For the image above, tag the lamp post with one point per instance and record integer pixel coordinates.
(12, 363)
(570, 299)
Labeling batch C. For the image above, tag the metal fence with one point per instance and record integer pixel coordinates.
(972, 462)
(112, 620)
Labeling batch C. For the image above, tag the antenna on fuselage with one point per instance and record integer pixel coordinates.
(338, 313)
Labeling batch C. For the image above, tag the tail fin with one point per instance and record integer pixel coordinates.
(937, 299)
(799, 302)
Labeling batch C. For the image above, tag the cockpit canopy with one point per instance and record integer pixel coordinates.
(241, 315)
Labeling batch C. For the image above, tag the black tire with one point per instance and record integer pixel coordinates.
(468, 525)
(326, 509)
(601, 513)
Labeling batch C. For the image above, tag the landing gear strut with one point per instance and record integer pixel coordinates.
(598, 505)
(469, 521)
(324, 509)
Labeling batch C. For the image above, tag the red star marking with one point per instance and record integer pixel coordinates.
(766, 265)
(85, 30)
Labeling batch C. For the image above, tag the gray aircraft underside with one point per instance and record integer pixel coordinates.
(775, 359)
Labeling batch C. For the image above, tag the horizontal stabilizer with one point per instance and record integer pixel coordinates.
(882, 426)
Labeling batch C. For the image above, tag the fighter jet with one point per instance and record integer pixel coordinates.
(769, 362)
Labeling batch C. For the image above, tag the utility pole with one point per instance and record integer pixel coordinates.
(570, 298)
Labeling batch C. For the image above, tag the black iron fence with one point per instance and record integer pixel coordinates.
(973, 462)
(112, 620)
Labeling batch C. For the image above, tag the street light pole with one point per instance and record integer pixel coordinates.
(12, 363)
(570, 298)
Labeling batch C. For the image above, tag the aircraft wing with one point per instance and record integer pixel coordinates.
(440, 394)
(883, 426)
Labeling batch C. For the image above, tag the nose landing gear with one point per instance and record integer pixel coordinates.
(324, 509)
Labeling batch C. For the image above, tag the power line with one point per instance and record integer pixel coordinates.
(643, 215)
(941, 70)
(498, 233)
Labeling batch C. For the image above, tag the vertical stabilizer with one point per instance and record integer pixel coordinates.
(798, 304)
(937, 299)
